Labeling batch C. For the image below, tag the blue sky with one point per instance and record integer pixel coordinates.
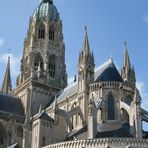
(109, 24)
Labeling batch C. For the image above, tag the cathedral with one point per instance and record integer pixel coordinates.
(100, 109)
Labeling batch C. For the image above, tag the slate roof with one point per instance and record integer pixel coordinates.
(11, 105)
(106, 72)
(14, 146)
(124, 131)
(44, 116)
(109, 73)
(76, 133)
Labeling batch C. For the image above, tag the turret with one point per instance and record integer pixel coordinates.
(85, 76)
(85, 66)
(7, 86)
(127, 71)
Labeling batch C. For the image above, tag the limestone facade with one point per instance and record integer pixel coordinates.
(102, 108)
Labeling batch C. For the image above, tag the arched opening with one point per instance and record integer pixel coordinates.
(99, 116)
(43, 141)
(111, 108)
(75, 119)
(41, 33)
(124, 116)
(52, 66)
(19, 132)
(38, 62)
(51, 33)
(3, 138)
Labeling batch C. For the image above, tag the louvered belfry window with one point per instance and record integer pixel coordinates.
(41, 33)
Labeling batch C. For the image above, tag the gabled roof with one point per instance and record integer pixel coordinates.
(11, 105)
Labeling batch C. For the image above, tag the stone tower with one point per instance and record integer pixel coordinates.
(85, 74)
(43, 69)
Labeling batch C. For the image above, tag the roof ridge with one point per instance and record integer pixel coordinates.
(109, 61)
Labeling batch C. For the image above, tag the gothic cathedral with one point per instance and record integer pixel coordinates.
(101, 109)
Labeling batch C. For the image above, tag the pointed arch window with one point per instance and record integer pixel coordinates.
(43, 141)
(51, 33)
(41, 33)
(125, 116)
(75, 119)
(111, 108)
(38, 62)
(52, 66)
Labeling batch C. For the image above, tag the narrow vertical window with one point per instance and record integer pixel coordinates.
(52, 67)
(111, 108)
(43, 141)
(38, 63)
(51, 35)
(41, 33)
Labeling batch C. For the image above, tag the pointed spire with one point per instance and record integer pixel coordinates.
(6, 86)
(126, 56)
(75, 78)
(86, 47)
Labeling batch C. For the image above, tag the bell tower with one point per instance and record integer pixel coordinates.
(43, 69)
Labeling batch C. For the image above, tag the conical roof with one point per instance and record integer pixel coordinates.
(109, 73)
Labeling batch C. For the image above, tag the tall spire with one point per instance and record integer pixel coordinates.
(126, 56)
(86, 47)
(6, 86)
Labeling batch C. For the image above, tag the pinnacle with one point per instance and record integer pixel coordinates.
(6, 86)
(126, 56)
(86, 47)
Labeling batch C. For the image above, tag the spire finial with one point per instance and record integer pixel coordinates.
(75, 78)
(86, 48)
(85, 28)
(125, 43)
(126, 56)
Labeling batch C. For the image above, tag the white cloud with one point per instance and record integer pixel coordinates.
(14, 63)
(144, 94)
(2, 42)
(145, 19)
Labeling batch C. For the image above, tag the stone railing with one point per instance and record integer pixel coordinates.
(103, 143)
(115, 85)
